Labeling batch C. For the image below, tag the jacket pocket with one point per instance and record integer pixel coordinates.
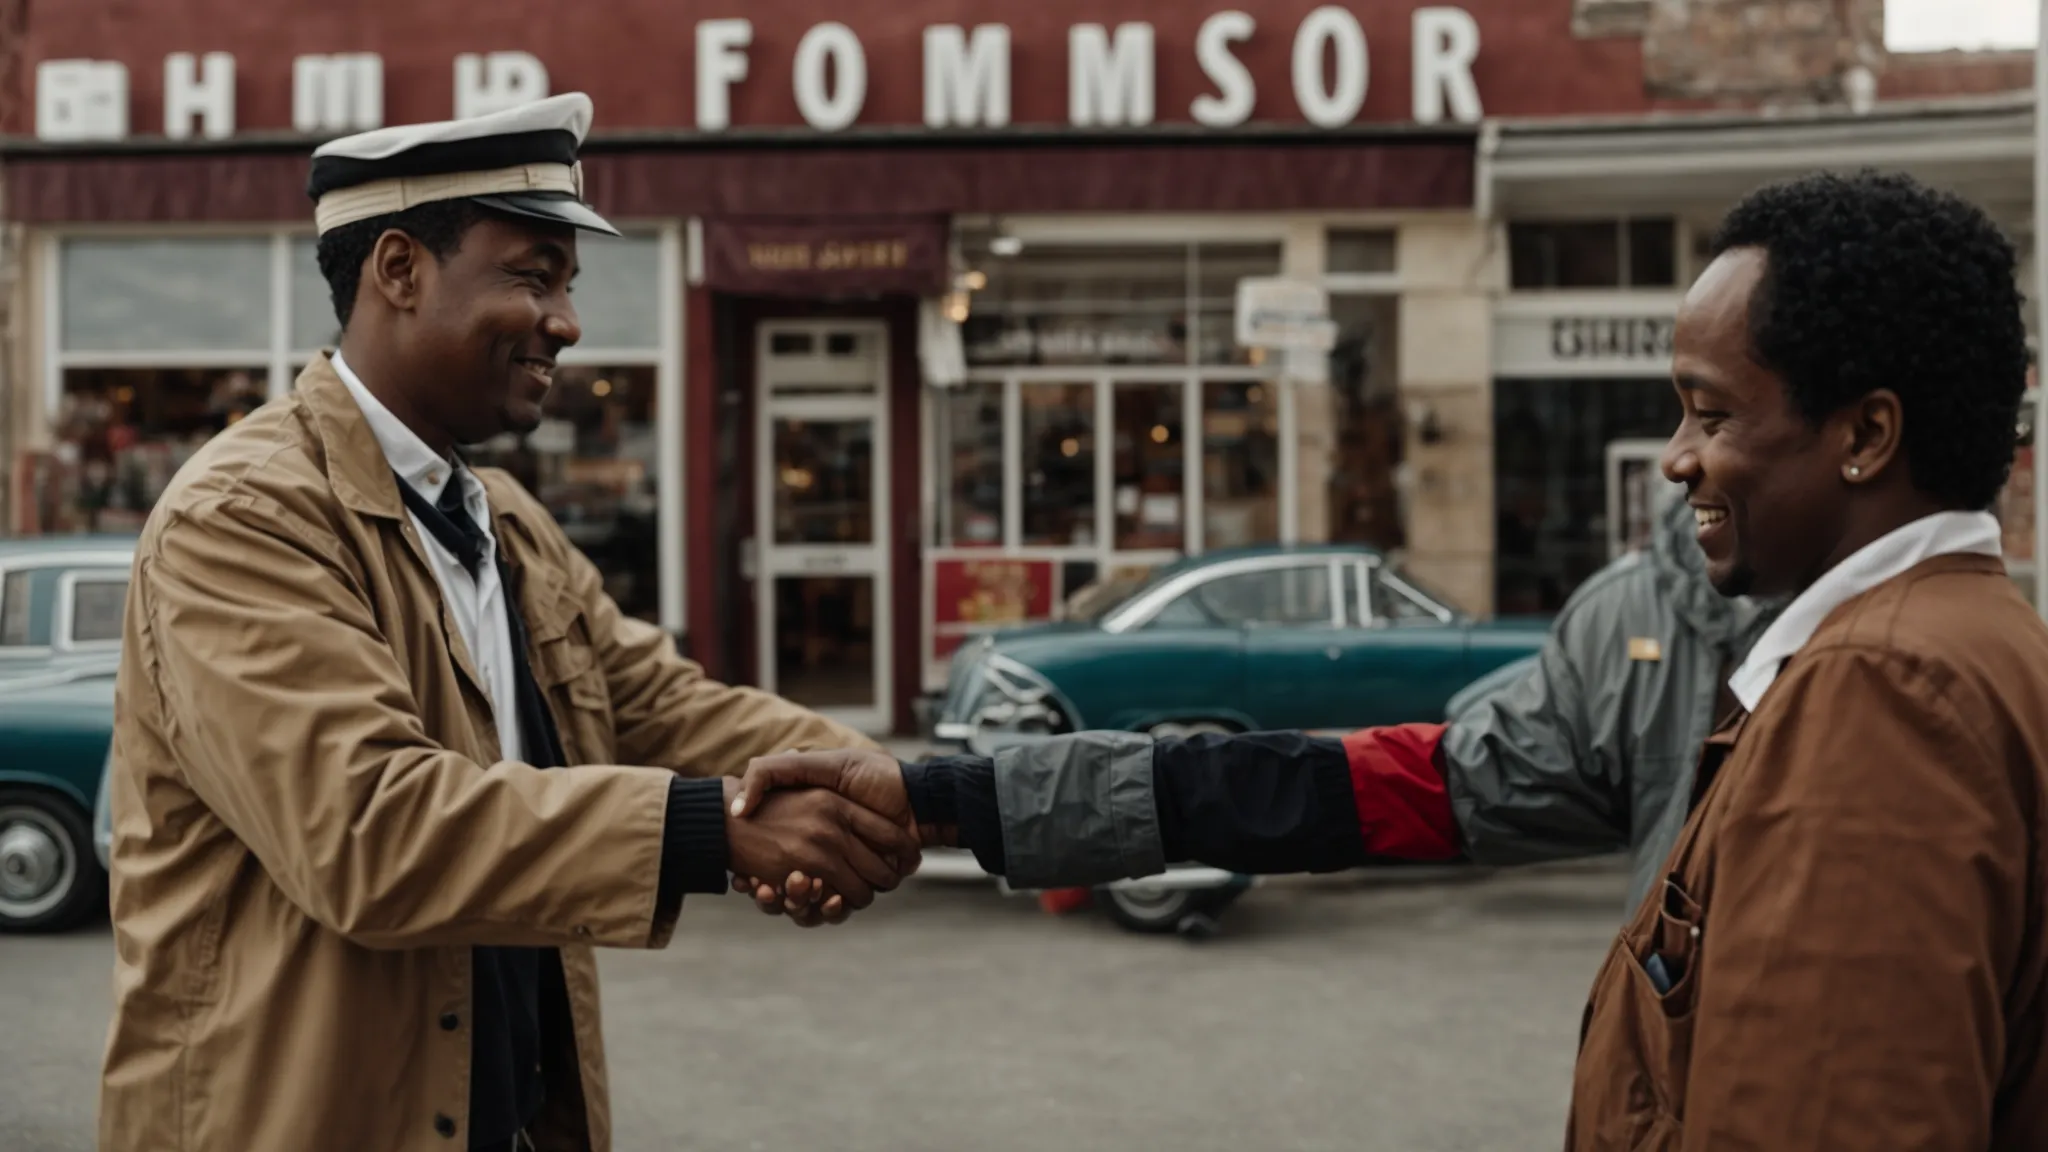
(575, 689)
(1663, 959)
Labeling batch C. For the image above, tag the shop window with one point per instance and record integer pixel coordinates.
(314, 325)
(1045, 305)
(1364, 497)
(824, 491)
(593, 464)
(140, 294)
(614, 291)
(1550, 450)
(1240, 463)
(124, 432)
(1593, 254)
(614, 294)
(1351, 252)
(1058, 464)
(1150, 467)
(969, 441)
(1218, 268)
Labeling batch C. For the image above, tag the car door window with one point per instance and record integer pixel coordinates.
(96, 607)
(1398, 603)
(1183, 612)
(1296, 595)
(14, 610)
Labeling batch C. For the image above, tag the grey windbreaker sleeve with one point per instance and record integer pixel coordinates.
(1536, 772)
(1079, 810)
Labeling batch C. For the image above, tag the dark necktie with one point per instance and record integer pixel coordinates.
(520, 997)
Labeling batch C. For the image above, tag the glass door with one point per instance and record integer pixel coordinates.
(823, 591)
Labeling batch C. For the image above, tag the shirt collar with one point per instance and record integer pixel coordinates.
(1890, 555)
(417, 464)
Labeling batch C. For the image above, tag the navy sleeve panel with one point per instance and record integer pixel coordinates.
(1269, 802)
(1264, 802)
(960, 790)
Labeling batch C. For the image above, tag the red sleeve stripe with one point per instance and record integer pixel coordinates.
(1404, 811)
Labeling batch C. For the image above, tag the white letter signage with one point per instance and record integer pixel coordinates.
(1109, 86)
(206, 92)
(1235, 93)
(493, 83)
(966, 78)
(836, 105)
(340, 94)
(81, 100)
(721, 63)
(1446, 43)
(1325, 104)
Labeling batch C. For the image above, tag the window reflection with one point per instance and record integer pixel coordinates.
(970, 446)
(1150, 466)
(1059, 463)
(824, 481)
(593, 464)
(123, 433)
(1365, 505)
(1240, 464)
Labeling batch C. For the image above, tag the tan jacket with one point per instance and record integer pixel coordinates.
(311, 825)
(1856, 908)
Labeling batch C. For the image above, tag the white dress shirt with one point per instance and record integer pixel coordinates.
(476, 603)
(1890, 555)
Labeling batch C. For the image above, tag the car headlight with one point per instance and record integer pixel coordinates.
(1001, 694)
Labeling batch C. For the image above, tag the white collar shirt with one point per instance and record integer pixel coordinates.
(476, 602)
(1889, 556)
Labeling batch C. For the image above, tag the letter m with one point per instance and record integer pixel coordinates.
(1109, 85)
(966, 80)
(342, 93)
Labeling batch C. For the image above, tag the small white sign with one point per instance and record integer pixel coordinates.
(1273, 312)
(553, 438)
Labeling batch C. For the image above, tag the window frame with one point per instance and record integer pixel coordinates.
(1140, 610)
(282, 359)
(71, 567)
(64, 617)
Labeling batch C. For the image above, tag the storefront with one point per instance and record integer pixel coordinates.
(1604, 224)
(153, 340)
(920, 327)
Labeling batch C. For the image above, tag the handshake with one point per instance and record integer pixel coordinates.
(833, 828)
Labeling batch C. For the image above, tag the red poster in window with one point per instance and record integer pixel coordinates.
(991, 593)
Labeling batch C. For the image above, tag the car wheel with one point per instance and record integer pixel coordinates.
(1179, 731)
(1157, 911)
(50, 878)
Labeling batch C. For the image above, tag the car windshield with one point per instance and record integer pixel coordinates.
(1097, 600)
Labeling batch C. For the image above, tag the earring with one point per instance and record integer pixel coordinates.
(1854, 471)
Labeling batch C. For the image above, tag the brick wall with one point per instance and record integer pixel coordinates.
(1743, 52)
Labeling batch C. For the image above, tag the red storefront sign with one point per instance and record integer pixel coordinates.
(973, 596)
(857, 257)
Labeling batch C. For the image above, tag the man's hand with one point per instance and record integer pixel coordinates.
(821, 834)
(870, 779)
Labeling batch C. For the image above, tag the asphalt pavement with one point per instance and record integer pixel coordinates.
(1404, 1012)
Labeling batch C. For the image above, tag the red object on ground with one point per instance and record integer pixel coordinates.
(1404, 810)
(1060, 901)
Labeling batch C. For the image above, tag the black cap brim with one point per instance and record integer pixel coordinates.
(554, 207)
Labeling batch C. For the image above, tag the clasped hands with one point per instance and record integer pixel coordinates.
(835, 826)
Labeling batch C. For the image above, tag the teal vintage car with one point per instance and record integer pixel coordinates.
(55, 732)
(61, 599)
(61, 602)
(1327, 637)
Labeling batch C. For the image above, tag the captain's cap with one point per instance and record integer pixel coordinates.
(521, 160)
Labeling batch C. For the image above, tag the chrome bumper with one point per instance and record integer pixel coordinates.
(956, 865)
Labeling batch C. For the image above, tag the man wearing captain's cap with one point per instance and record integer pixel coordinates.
(388, 763)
